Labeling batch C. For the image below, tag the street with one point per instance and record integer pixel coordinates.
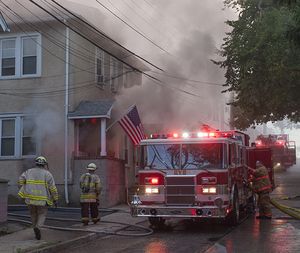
(180, 236)
(278, 235)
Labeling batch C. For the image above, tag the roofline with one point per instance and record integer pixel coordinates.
(89, 117)
(4, 24)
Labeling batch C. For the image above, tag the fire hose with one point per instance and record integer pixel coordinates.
(291, 211)
(147, 231)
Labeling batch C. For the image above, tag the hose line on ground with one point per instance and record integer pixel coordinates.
(150, 231)
(293, 212)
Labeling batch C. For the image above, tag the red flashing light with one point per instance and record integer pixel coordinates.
(193, 135)
(258, 143)
(228, 135)
(151, 180)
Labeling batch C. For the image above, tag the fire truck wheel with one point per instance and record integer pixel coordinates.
(234, 216)
(156, 222)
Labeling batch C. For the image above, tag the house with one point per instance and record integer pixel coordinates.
(58, 89)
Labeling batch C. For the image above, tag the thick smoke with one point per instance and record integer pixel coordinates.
(190, 31)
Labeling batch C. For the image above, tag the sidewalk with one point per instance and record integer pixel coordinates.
(22, 239)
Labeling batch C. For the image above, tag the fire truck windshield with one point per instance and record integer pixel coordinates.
(183, 156)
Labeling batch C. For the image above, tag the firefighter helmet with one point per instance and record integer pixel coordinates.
(258, 163)
(91, 166)
(40, 160)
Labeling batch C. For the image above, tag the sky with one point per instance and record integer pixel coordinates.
(181, 37)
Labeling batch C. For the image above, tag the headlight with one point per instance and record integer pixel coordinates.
(136, 200)
(150, 190)
(209, 190)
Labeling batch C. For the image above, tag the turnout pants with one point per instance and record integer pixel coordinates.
(264, 204)
(87, 209)
(38, 215)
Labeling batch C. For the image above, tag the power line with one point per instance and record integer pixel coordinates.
(137, 13)
(157, 81)
(186, 79)
(73, 51)
(104, 35)
(32, 26)
(92, 42)
(151, 41)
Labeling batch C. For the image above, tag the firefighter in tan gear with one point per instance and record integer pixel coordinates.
(89, 198)
(262, 186)
(37, 188)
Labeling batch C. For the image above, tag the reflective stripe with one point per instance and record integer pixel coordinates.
(260, 178)
(264, 188)
(88, 196)
(39, 182)
(35, 197)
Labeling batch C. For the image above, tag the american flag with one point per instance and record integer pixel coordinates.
(132, 125)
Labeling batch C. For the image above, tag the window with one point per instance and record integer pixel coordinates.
(16, 137)
(20, 56)
(198, 156)
(8, 137)
(29, 54)
(232, 154)
(28, 143)
(116, 74)
(99, 67)
(8, 62)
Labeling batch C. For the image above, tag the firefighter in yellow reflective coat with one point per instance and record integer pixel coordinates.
(37, 188)
(262, 187)
(89, 198)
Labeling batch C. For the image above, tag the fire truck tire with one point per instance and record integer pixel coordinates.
(234, 217)
(156, 222)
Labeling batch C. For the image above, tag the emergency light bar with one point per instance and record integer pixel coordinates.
(187, 135)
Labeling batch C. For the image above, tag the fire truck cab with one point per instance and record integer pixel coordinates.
(193, 175)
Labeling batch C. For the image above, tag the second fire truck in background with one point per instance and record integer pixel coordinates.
(283, 150)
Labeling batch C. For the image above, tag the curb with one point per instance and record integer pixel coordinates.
(64, 245)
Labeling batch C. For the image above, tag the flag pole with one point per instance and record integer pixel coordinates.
(116, 121)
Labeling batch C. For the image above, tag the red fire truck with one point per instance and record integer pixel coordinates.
(283, 150)
(194, 175)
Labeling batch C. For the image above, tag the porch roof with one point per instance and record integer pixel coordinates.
(92, 109)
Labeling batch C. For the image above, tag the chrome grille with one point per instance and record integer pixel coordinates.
(180, 190)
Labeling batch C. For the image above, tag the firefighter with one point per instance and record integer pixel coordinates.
(89, 198)
(262, 186)
(37, 188)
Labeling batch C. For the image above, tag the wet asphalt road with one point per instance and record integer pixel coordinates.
(280, 235)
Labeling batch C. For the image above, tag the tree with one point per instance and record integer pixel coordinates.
(262, 61)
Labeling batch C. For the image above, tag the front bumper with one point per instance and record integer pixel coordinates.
(178, 211)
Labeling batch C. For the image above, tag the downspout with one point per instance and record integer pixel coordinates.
(66, 115)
